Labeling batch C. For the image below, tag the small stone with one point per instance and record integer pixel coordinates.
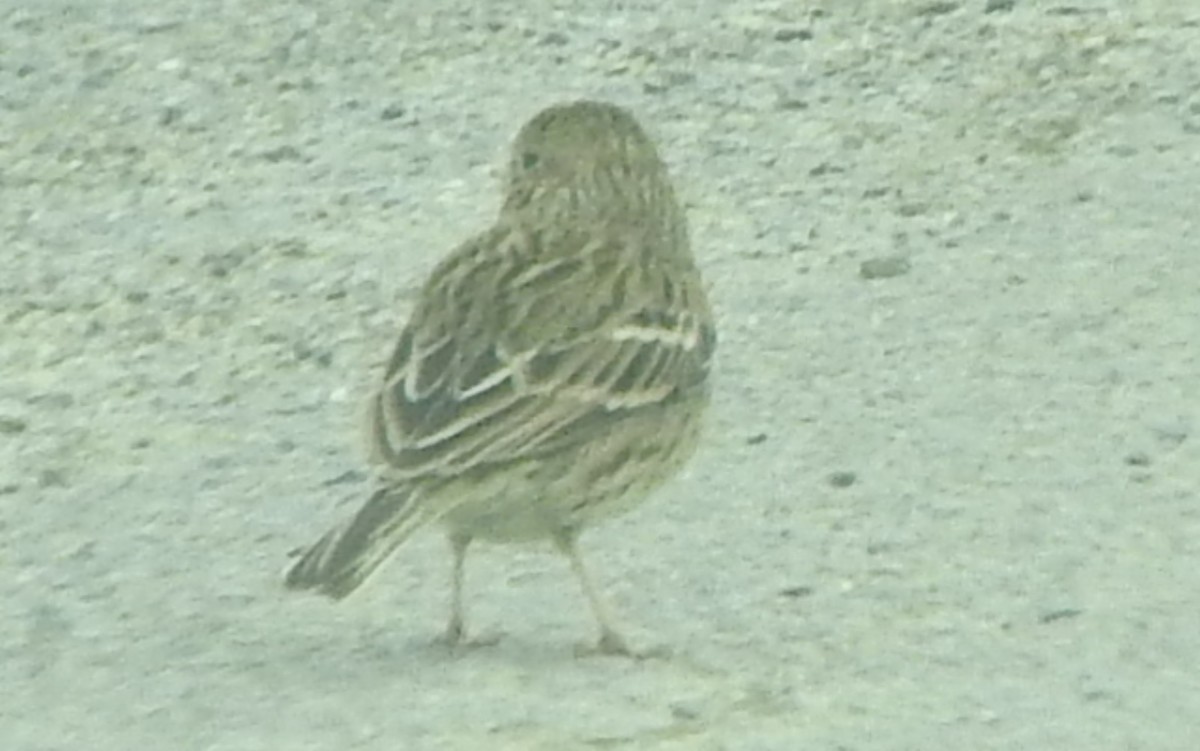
(284, 153)
(884, 268)
(843, 479)
(1138, 459)
(170, 115)
(796, 591)
(351, 476)
(937, 9)
(1060, 614)
(825, 168)
(158, 25)
(393, 111)
(791, 103)
(913, 208)
(793, 35)
(12, 425)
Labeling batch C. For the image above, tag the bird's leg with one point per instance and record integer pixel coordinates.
(456, 628)
(611, 642)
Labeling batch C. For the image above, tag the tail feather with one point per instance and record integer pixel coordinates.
(342, 560)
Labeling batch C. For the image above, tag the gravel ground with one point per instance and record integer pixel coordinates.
(949, 494)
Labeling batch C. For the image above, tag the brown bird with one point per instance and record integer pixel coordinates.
(554, 371)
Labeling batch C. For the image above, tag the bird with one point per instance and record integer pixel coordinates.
(553, 372)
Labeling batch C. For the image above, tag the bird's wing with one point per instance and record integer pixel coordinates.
(514, 351)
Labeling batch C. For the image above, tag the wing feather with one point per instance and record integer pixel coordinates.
(506, 360)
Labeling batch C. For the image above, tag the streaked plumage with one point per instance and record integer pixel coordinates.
(555, 368)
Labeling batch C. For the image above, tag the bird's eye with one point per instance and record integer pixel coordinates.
(529, 160)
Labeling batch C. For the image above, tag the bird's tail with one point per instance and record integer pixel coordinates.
(341, 560)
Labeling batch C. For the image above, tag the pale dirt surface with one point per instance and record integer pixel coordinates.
(213, 217)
